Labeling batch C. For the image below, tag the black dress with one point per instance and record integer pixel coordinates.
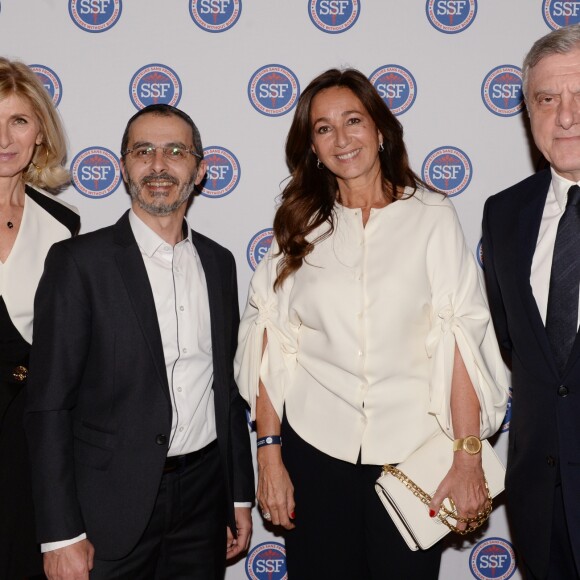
(19, 554)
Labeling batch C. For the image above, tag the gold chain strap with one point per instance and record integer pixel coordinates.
(444, 514)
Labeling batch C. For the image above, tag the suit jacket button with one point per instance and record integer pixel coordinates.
(563, 391)
(161, 439)
(550, 461)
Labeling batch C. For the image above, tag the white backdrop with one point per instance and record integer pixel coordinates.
(448, 68)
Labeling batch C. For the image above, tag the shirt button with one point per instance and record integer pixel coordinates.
(360, 353)
(182, 308)
(184, 350)
(167, 248)
(179, 389)
(181, 429)
(550, 461)
(563, 391)
(161, 439)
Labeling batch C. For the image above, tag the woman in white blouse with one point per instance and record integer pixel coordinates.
(32, 153)
(366, 332)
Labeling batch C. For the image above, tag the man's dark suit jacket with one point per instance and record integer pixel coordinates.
(99, 413)
(545, 425)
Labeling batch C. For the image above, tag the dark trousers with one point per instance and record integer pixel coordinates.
(186, 536)
(561, 565)
(342, 530)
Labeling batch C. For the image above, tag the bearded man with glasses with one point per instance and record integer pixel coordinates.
(137, 431)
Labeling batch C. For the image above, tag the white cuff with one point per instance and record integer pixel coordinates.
(50, 546)
(246, 504)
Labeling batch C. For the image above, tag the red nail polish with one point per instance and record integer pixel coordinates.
(292, 516)
(431, 513)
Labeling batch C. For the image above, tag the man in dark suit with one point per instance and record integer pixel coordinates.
(531, 245)
(138, 435)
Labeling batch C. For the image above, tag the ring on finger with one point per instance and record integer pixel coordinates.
(267, 516)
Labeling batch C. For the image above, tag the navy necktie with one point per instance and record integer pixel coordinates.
(562, 314)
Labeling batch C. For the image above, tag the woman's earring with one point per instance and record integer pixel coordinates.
(318, 164)
(381, 147)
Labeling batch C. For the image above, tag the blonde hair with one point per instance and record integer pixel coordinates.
(46, 169)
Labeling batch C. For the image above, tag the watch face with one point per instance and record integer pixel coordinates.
(472, 445)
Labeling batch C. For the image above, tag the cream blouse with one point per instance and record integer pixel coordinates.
(361, 339)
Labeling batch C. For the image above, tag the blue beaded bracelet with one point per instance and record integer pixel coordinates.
(269, 440)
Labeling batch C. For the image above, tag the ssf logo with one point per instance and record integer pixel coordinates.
(258, 248)
(215, 15)
(95, 15)
(96, 172)
(396, 86)
(267, 561)
(493, 558)
(223, 172)
(153, 84)
(50, 82)
(560, 13)
(479, 255)
(334, 16)
(505, 426)
(447, 169)
(451, 16)
(273, 90)
(501, 91)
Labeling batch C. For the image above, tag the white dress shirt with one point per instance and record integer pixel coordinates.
(361, 339)
(556, 201)
(182, 304)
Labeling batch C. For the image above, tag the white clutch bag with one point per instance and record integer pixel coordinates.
(406, 491)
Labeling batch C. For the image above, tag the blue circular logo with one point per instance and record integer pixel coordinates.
(560, 13)
(501, 91)
(273, 90)
(96, 172)
(505, 426)
(396, 86)
(267, 561)
(258, 247)
(223, 172)
(493, 558)
(215, 15)
(153, 84)
(334, 16)
(451, 16)
(447, 169)
(50, 82)
(479, 255)
(95, 15)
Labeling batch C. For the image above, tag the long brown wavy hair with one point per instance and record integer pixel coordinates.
(309, 197)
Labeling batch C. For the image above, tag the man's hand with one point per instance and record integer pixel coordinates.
(235, 546)
(72, 562)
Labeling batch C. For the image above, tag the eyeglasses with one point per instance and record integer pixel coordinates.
(146, 153)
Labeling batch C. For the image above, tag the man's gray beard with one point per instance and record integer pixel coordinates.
(161, 209)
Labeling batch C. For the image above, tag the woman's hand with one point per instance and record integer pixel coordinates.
(464, 484)
(275, 493)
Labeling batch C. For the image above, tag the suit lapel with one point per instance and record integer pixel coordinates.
(216, 302)
(529, 221)
(134, 275)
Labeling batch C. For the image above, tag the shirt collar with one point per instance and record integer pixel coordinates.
(561, 185)
(147, 239)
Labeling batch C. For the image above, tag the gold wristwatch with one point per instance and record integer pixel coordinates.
(470, 444)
